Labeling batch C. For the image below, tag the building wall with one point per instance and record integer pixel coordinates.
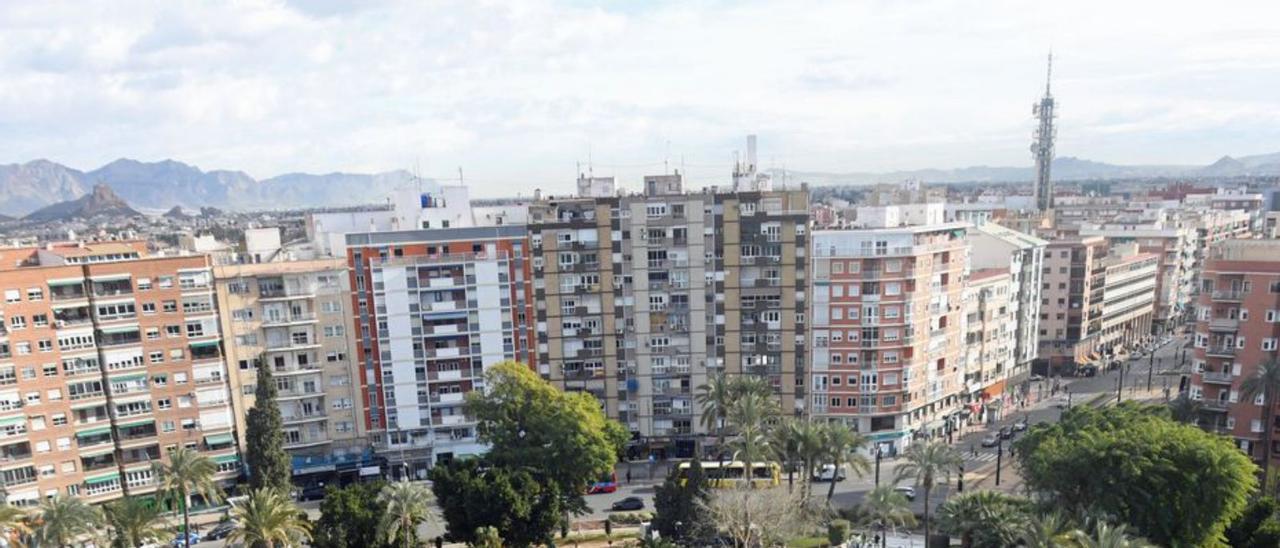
(105, 368)
(264, 307)
(890, 301)
(991, 330)
(434, 309)
(1071, 301)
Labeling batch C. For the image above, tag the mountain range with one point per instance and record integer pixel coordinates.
(160, 186)
(101, 203)
(1065, 168)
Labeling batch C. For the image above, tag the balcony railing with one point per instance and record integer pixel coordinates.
(1228, 295)
(1210, 376)
(1224, 324)
(1220, 351)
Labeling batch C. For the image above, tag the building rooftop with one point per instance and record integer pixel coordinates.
(986, 274)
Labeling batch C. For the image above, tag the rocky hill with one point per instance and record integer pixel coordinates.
(100, 204)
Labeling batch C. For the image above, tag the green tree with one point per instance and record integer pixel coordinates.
(1259, 527)
(14, 523)
(1264, 382)
(984, 519)
(884, 510)
(810, 441)
(718, 395)
(681, 506)
(842, 445)
(269, 464)
(486, 537)
(1108, 536)
(473, 494)
(62, 520)
(187, 474)
(268, 518)
(1173, 482)
(407, 505)
(350, 517)
(1185, 410)
(784, 443)
(749, 416)
(136, 522)
(531, 424)
(928, 463)
(1048, 530)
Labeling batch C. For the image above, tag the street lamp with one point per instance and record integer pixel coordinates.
(879, 454)
(999, 457)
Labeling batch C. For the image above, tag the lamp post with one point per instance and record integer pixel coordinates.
(1151, 370)
(879, 454)
(999, 457)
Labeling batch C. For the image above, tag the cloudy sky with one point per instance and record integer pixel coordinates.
(517, 93)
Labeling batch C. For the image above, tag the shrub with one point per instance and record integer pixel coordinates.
(838, 531)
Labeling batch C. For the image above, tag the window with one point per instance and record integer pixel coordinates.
(144, 284)
(164, 403)
(45, 345)
(330, 306)
(334, 331)
(1268, 344)
(18, 322)
(50, 370)
(40, 320)
(22, 349)
(148, 308)
(165, 282)
(157, 357)
(242, 314)
(160, 380)
(250, 339)
(177, 355)
(1272, 316)
(12, 296)
(179, 378)
(153, 333)
(172, 331)
(195, 329)
(170, 306)
(59, 419)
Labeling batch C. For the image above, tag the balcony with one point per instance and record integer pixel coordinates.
(1220, 351)
(289, 319)
(1229, 295)
(1224, 324)
(291, 344)
(303, 417)
(1217, 405)
(281, 293)
(1217, 378)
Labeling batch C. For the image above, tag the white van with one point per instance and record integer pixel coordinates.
(828, 472)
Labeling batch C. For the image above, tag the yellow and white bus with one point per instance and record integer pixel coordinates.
(733, 474)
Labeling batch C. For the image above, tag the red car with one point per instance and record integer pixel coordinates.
(607, 484)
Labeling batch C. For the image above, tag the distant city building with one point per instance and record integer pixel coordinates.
(432, 310)
(110, 358)
(888, 326)
(995, 247)
(1175, 245)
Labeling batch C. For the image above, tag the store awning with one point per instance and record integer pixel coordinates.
(217, 439)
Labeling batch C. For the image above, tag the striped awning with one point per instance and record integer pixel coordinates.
(216, 439)
(221, 459)
(102, 479)
(94, 431)
(136, 423)
(127, 378)
(201, 344)
(120, 329)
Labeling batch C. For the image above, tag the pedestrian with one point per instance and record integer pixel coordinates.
(973, 449)
(628, 475)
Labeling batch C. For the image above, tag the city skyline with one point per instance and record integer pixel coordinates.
(522, 94)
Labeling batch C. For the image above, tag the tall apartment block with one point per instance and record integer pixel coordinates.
(991, 328)
(1237, 328)
(110, 358)
(1175, 245)
(295, 317)
(996, 247)
(433, 309)
(888, 324)
(1097, 302)
(642, 298)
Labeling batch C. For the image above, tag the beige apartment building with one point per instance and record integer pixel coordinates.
(295, 317)
(991, 329)
(641, 298)
(888, 324)
(1071, 303)
(110, 358)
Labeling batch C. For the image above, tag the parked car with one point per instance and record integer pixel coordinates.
(1006, 433)
(906, 491)
(628, 504)
(220, 531)
(313, 491)
(1020, 425)
(991, 440)
(828, 472)
(193, 536)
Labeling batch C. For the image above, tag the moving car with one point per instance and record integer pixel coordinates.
(629, 503)
(906, 491)
(991, 440)
(1020, 425)
(220, 531)
(828, 472)
(1006, 433)
(193, 536)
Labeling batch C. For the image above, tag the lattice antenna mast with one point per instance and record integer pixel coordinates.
(1042, 145)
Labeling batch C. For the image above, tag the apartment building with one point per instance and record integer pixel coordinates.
(110, 358)
(990, 343)
(1072, 281)
(641, 298)
(1237, 329)
(1175, 245)
(295, 317)
(1128, 297)
(996, 247)
(888, 325)
(432, 310)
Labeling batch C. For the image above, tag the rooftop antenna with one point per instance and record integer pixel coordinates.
(461, 181)
(1048, 77)
(591, 169)
(666, 157)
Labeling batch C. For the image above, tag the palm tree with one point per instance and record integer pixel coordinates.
(136, 522)
(784, 444)
(983, 518)
(408, 504)
(841, 444)
(718, 395)
(1107, 536)
(926, 463)
(749, 415)
(884, 509)
(269, 518)
(1184, 409)
(14, 524)
(1050, 530)
(188, 473)
(1265, 382)
(62, 520)
(809, 439)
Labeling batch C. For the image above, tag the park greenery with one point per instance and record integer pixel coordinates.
(1132, 464)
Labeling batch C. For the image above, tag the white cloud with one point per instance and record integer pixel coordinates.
(518, 92)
